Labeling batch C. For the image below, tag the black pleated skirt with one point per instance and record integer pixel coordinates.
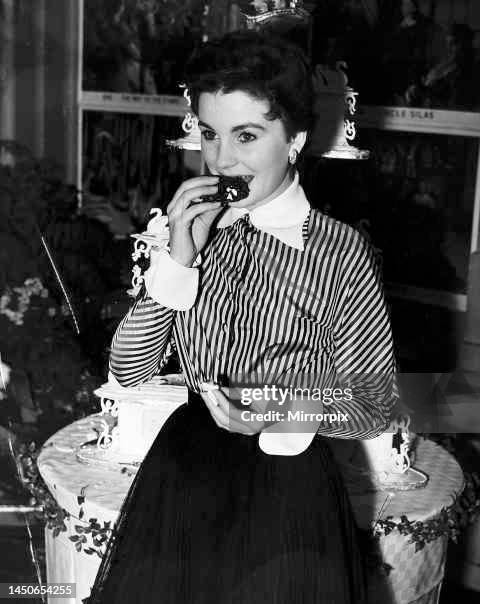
(211, 519)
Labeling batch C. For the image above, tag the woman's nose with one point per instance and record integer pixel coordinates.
(225, 156)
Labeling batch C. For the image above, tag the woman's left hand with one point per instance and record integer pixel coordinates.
(227, 416)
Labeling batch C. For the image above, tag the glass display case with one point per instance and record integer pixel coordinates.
(421, 205)
(418, 53)
(132, 54)
(125, 159)
(417, 197)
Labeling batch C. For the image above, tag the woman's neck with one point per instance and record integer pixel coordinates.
(286, 182)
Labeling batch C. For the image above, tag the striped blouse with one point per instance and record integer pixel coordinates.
(269, 313)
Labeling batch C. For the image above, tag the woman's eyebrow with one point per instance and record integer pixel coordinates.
(235, 128)
(248, 125)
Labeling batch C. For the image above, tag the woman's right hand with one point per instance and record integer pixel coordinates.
(189, 224)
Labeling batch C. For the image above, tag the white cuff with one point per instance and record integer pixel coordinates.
(171, 284)
(287, 443)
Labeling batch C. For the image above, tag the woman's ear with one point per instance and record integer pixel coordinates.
(299, 140)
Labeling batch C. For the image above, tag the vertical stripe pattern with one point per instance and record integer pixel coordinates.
(267, 313)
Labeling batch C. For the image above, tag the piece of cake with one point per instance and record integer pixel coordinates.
(231, 189)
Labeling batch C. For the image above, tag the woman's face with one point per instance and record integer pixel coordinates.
(238, 140)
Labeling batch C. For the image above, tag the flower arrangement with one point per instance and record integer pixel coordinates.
(63, 266)
(31, 287)
(52, 381)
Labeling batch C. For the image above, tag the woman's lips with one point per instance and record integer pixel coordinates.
(245, 177)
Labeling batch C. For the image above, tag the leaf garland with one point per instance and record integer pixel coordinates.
(92, 537)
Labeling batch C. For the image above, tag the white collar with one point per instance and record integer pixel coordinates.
(282, 217)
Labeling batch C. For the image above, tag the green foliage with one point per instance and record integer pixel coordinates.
(449, 522)
(33, 195)
(91, 537)
(52, 514)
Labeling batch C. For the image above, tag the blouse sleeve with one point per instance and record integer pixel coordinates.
(364, 358)
(360, 389)
(140, 343)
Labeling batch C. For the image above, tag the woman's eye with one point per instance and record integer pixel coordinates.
(246, 137)
(208, 135)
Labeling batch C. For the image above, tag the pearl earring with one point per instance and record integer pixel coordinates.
(292, 156)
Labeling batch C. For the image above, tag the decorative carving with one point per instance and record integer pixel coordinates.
(351, 100)
(190, 123)
(141, 248)
(192, 140)
(336, 103)
(137, 281)
(106, 437)
(109, 406)
(400, 458)
(350, 130)
(156, 237)
(259, 11)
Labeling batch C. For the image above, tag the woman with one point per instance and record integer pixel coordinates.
(229, 507)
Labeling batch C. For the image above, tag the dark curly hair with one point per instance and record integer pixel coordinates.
(264, 66)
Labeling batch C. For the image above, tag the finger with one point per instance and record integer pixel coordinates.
(221, 415)
(205, 216)
(192, 183)
(230, 416)
(193, 196)
(233, 414)
(208, 394)
(222, 400)
(217, 415)
(212, 400)
(208, 209)
(250, 426)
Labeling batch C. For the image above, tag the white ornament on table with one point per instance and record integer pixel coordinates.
(335, 102)
(351, 100)
(141, 248)
(379, 464)
(350, 130)
(107, 438)
(156, 237)
(137, 280)
(139, 413)
(382, 456)
(401, 458)
(109, 406)
(192, 139)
